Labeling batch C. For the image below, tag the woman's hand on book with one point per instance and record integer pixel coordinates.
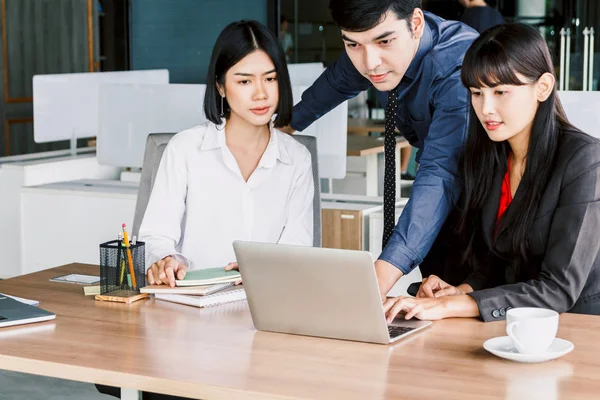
(165, 272)
(231, 266)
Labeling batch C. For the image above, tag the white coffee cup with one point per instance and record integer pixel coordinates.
(532, 330)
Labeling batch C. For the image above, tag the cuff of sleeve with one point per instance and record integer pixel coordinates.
(181, 259)
(486, 315)
(400, 257)
(177, 256)
(301, 117)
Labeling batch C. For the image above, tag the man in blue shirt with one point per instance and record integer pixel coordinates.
(479, 15)
(394, 44)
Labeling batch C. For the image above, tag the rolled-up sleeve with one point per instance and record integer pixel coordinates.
(436, 185)
(339, 82)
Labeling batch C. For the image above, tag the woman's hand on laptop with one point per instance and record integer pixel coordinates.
(434, 286)
(431, 308)
(165, 271)
(230, 267)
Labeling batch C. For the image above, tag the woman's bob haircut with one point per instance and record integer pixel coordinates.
(235, 42)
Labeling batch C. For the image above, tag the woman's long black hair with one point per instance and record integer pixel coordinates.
(495, 58)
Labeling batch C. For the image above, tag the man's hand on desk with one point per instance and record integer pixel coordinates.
(164, 272)
(231, 266)
(387, 276)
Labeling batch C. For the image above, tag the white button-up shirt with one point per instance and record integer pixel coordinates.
(200, 202)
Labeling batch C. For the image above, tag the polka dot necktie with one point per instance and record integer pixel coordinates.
(389, 179)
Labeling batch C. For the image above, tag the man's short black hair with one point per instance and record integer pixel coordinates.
(235, 42)
(362, 15)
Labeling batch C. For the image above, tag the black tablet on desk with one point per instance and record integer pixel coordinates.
(13, 312)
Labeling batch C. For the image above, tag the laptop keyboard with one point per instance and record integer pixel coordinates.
(396, 331)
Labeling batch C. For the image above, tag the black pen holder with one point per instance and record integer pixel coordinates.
(118, 264)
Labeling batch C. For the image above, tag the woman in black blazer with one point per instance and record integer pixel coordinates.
(525, 232)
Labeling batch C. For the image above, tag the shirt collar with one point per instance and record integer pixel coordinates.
(275, 151)
(214, 138)
(425, 45)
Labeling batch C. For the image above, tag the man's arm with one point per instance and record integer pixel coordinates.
(436, 186)
(340, 82)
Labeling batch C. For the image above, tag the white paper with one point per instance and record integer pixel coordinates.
(77, 278)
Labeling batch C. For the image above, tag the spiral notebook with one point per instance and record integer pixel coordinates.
(190, 290)
(225, 296)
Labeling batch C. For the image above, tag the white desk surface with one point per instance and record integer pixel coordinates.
(329, 205)
(46, 157)
(88, 186)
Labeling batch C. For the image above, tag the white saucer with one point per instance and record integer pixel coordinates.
(503, 347)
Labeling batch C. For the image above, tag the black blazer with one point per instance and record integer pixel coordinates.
(565, 241)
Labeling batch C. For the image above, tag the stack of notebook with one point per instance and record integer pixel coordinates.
(201, 288)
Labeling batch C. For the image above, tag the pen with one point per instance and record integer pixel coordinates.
(129, 258)
(120, 261)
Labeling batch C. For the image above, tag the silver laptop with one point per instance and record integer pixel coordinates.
(13, 312)
(317, 292)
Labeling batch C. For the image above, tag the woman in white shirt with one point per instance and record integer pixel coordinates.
(236, 177)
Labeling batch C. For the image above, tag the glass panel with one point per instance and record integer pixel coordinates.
(313, 35)
(569, 27)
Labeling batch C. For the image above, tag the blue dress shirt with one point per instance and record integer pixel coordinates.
(433, 116)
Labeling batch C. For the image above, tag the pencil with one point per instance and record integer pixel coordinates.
(129, 258)
(120, 263)
(122, 272)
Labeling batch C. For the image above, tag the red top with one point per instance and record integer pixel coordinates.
(505, 196)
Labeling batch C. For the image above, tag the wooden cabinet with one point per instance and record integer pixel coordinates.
(345, 225)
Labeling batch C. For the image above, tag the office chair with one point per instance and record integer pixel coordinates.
(155, 146)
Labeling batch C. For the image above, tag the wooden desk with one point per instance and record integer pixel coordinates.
(217, 354)
(370, 147)
(362, 126)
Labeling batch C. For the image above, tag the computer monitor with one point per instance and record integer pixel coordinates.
(65, 106)
(129, 113)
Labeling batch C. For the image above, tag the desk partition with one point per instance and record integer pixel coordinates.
(128, 113)
(583, 110)
(331, 131)
(304, 74)
(65, 106)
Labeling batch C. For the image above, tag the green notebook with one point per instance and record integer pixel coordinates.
(209, 276)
